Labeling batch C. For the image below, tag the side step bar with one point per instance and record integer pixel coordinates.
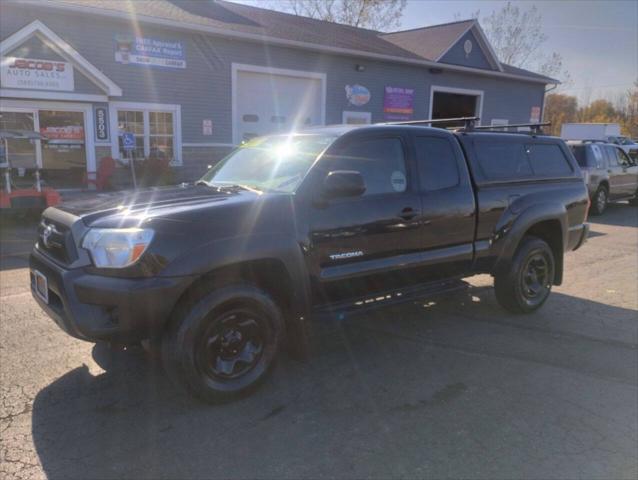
(392, 297)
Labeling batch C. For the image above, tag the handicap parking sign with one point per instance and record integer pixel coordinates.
(128, 141)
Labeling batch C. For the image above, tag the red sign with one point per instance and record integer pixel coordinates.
(70, 132)
(29, 64)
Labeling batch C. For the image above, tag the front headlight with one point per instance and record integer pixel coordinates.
(116, 247)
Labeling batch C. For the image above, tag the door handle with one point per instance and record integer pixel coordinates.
(407, 213)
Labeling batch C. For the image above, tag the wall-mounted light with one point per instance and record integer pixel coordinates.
(359, 68)
(436, 71)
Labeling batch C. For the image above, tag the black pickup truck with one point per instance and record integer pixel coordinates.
(222, 273)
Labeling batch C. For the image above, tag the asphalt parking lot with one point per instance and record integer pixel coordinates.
(454, 389)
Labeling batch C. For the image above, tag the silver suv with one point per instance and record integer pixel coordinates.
(609, 173)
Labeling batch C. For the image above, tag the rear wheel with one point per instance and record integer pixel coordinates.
(224, 344)
(600, 200)
(527, 284)
(634, 201)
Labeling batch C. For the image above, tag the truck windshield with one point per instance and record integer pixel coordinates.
(274, 163)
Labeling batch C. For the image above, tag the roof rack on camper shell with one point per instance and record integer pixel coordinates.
(470, 122)
(534, 128)
(471, 125)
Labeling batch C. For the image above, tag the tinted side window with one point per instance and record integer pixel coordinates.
(437, 163)
(502, 160)
(598, 154)
(381, 161)
(548, 160)
(580, 153)
(612, 159)
(622, 157)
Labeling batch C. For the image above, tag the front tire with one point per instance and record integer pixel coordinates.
(224, 344)
(599, 201)
(528, 282)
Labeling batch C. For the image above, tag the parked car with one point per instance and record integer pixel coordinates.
(628, 145)
(609, 173)
(601, 132)
(221, 274)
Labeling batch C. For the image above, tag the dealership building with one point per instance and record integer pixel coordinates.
(191, 79)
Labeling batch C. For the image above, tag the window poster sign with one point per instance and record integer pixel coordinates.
(155, 52)
(35, 74)
(101, 124)
(67, 132)
(357, 95)
(398, 103)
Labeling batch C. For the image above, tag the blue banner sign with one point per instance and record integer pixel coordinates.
(154, 52)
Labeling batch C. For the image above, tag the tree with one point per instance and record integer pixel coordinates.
(518, 39)
(623, 110)
(599, 111)
(560, 109)
(380, 15)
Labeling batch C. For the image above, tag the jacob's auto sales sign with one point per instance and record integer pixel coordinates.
(36, 74)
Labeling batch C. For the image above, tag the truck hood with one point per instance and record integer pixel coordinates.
(121, 208)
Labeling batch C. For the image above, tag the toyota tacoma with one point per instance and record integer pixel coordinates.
(223, 273)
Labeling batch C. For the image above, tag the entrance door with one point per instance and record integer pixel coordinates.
(270, 103)
(64, 154)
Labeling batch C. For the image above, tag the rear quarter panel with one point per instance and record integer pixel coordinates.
(507, 209)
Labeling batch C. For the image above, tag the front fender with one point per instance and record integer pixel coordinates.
(227, 252)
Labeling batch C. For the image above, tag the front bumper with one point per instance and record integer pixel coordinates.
(93, 307)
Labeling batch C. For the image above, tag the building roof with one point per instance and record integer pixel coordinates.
(429, 42)
(419, 46)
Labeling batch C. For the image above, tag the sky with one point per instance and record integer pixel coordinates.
(598, 39)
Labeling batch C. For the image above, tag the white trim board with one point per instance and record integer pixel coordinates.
(242, 67)
(176, 110)
(261, 39)
(62, 48)
(461, 91)
(46, 95)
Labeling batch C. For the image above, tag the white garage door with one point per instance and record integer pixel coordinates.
(270, 103)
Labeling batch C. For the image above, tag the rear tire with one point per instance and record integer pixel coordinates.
(599, 201)
(528, 282)
(224, 344)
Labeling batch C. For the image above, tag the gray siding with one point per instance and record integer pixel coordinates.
(203, 89)
(476, 58)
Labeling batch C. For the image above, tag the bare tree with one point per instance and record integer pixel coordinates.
(381, 15)
(518, 39)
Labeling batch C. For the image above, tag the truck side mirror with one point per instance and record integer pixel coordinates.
(343, 183)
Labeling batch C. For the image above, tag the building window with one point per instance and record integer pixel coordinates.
(156, 129)
(161, 134)
(131, 122)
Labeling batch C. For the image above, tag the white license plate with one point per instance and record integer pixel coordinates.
(41, 286)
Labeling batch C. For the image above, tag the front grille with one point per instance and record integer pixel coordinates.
(56, 240)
